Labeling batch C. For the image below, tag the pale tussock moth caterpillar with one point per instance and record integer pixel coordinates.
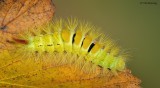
(77, 43)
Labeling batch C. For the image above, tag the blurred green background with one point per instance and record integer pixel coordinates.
(135, 26)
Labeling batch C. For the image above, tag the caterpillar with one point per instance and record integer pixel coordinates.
(79, 41)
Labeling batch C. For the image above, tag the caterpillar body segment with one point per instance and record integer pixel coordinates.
(78, 40)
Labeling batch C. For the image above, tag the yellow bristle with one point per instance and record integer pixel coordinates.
(96, 48)
(115, 51)
(81, 32)
(49, 45)
(94, 52)
(67, 40)
(100, 57)
(86, 44)
(58, 25)
(66, 36)
(108, 45)
(71, 24)
(87, 41)
(39, 44)
(58, 42)
(78, 38)
(120, 66)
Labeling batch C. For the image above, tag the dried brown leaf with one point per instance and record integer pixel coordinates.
(18, 15)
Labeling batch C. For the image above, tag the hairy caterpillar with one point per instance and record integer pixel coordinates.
(70, 39)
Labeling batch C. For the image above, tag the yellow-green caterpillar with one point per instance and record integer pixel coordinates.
(79, 39)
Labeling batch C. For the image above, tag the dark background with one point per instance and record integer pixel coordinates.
(134, 24)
